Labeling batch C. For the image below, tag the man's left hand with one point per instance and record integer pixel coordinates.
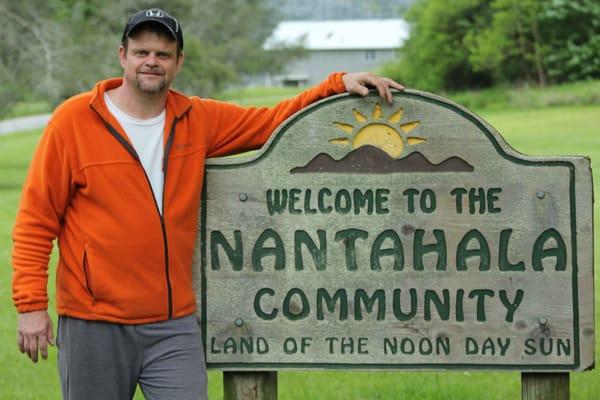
(359, 83)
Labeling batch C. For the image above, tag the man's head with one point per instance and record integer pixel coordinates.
(159, 19)
(151, 50)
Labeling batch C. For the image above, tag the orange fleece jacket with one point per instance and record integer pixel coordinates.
(120, 260)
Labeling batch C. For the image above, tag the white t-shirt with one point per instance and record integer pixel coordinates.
(146, 135)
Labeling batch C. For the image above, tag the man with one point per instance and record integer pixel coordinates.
(117, 179)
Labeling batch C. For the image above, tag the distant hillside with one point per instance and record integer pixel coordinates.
(340, 9)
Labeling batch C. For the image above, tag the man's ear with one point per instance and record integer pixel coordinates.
(122, 55)
(180, 61)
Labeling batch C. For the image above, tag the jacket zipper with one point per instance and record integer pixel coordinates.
(160, 212)
(162, 219)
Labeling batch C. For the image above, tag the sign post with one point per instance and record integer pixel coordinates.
(250, 385)
(544, 386)
(403, 236)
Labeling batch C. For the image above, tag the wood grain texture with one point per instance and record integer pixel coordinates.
(250, 385)
(545, 386)
(464, 304)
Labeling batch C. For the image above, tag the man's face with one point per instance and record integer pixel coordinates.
(150, 62)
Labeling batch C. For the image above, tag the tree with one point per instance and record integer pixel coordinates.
(475, 43)
(436, 56)
(52, 49)
(572, 32)
(511, 46)
(226, 42)
(28, 52)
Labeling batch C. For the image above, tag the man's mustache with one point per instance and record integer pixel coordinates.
(154, 71)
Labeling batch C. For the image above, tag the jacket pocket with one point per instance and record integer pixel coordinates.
(88, 275)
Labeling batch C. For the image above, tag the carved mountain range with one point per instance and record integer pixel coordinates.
(372, 160)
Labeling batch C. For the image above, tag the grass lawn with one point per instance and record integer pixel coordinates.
(548, 131)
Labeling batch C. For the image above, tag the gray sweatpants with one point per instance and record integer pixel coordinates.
(100, 360)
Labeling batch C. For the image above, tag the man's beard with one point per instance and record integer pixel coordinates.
(150, 87)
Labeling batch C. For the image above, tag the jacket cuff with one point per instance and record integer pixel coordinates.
(24, 308)
(338, 83)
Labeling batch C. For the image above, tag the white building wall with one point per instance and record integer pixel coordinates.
(319, 63)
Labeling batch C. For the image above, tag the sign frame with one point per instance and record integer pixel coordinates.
(581, 242)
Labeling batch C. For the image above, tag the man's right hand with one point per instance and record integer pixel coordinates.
(35, 333)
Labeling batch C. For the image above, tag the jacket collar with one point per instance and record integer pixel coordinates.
(177, 103)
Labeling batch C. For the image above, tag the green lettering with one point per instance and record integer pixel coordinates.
(559, 251)
(348, 237)
(390, 345)
(294, 199)
(442, 344)
(543, 350)
(563, 346)
(459, 310)
(260, 251)
(458, 194)
(476, 197)
(322, 208)
(503, 262)
(360, 296)
(511, 306)
(276, 201)
(330, 302)
(410, 193)
(407, 346)
(530, 347)
(304, 310)
(395, 251)
(262, 346)
(427, 201)
(230, 346)
(361, 200)
(246, 345)
(381, 197)
(235, 256)
(482, 252)
(397, 306)
(491, 199)
(442, 307)
(319, 254)
(307, 208)
(471, 346)
(425, 347)
(480, 294)
(439, 247)
(343, 202)
(258, 310)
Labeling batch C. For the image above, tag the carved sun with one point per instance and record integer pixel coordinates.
(379, 132)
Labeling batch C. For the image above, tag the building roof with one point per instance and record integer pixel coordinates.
(341, 35)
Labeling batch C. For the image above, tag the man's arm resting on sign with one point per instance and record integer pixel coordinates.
(241, 129)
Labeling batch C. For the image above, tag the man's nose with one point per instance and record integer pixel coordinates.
(152, 60)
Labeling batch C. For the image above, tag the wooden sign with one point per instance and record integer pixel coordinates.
(404, 236)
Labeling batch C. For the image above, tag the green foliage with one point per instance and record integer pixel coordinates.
(53, 49)
(528, 97)
(510, 45)
(478, 43)
(572, 29)
(225, 42)
(435, 56)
